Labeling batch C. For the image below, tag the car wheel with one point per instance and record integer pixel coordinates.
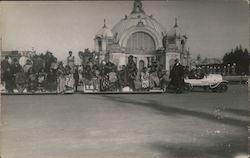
(223, 87)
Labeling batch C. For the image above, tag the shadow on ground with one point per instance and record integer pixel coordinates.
(227, 147)
(167, 110)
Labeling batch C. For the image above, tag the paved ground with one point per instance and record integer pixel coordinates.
(191, 125)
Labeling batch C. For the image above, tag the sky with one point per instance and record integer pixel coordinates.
(213, 27)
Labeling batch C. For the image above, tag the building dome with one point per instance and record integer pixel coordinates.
(134, 20)
(138, 19)
(104, 32)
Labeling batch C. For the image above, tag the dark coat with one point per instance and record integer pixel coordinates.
(177, 75)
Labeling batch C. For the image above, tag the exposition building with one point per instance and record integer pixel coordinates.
(143, 37)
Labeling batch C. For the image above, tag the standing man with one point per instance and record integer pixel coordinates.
(131, 72)
(177, 76)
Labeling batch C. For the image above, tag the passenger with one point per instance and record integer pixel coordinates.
(76, 77)
(38, 63)
(15, 67)
(9, 80)
(154, 79)
(23, 59)
(42, 75)
(27, 66)
(122, 77)
(51, 80)
(60, 78)
(95, 78)
(145, 79)
(131, 72)
(162, 76)
(4, 66)
(69, 79)
(21, 81)
(108, 68)
(104, 83)
(71, 61)
(32, 80)
(49, 59)
(113, 79)
(90, 62)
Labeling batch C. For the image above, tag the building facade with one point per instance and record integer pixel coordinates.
(142, 36)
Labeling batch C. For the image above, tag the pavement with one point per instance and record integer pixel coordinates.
(190, 125)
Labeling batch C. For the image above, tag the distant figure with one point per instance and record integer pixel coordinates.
(177, 76)
(71, 61)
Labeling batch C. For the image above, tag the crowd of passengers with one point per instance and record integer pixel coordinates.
(35, 74)
(45, 74)
(107, 77)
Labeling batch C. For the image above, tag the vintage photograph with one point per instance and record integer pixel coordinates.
(124, 79)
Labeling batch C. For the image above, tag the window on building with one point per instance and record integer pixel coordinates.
(141, 40)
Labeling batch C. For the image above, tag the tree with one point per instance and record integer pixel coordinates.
(240, 58)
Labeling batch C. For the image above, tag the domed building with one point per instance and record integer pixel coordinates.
(143, 37)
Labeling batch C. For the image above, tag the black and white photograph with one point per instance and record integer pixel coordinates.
(124, 79)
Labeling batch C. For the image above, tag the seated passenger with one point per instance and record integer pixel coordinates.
(122, 77)
(42, 75)
(88, 76)
(51, 79)
(154, 79)
(60, 78)
(69, 80)
(95, 77)
(32, 78)
(104, 80)
(21, 81)
(27, 66)
(113, 79)
(9, 80)
(144, 79)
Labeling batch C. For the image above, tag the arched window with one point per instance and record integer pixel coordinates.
(141, 40)
(100, 44)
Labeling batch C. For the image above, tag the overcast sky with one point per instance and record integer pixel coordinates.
(213, 28)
